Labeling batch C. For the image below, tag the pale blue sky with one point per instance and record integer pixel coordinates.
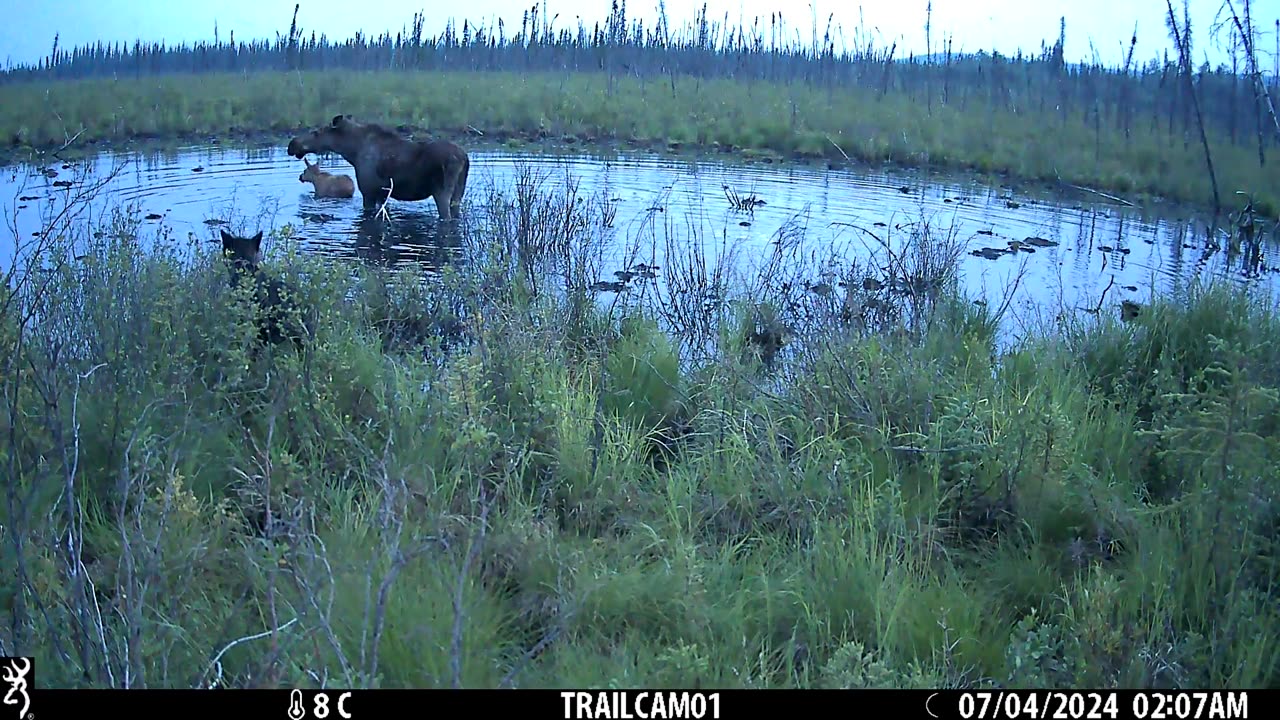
(1004, 25)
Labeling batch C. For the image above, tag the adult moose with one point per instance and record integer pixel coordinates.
(383, 160)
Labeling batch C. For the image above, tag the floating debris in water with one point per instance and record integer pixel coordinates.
(1130, 288)
(986, 232)
(904, 190)
(215, 221)
(744, 223)
(198, 168)
(28, 198)
(880, 224)
(1012, 204)
(642, 271)
(604, 286)
(154, 216)
(1040, 242)
(988, 253)
(62, 183)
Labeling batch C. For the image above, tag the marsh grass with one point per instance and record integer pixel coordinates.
(745, 117)
(575, 492)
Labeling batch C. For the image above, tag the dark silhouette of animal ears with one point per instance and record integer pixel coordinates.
(339, 120)
(229, 241)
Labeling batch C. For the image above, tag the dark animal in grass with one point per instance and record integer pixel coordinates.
(274, 300)
(327, 184)
(385, 161)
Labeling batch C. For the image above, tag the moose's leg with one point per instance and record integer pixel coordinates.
(442, 203)
(370, 197)
(372, 192)
(460, 187)
(444, 193)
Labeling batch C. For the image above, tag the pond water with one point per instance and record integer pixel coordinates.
(1093, 245)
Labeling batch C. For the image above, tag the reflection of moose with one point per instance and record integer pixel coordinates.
(388, 165)
(327, 184)
(17, 679)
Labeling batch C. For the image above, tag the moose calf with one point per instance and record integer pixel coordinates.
(326, 184)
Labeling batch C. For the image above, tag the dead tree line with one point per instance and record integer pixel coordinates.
(1163, 93)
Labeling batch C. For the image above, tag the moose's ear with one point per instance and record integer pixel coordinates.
(257, 241)
(226, 238)
(338, 120)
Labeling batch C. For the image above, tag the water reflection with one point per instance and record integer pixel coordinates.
(408, 236)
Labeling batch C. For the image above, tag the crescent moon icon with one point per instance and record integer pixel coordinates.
(926, 705)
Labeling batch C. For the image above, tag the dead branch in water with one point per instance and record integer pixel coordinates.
(1099, 193)
(742, 203)
(67, 144)
(69, 140)
(837, 147)
(382, 211)
(1102, 298)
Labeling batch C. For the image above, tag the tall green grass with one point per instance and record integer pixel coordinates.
(580, 493)
(857, 123)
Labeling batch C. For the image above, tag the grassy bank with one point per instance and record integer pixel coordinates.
(1029, 142)
(569, 496)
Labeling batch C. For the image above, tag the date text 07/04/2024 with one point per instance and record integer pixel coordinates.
(1142, 705)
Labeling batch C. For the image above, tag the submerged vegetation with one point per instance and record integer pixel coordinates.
(754, 88)
(495, 479)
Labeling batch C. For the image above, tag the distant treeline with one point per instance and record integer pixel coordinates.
(1119, 97)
